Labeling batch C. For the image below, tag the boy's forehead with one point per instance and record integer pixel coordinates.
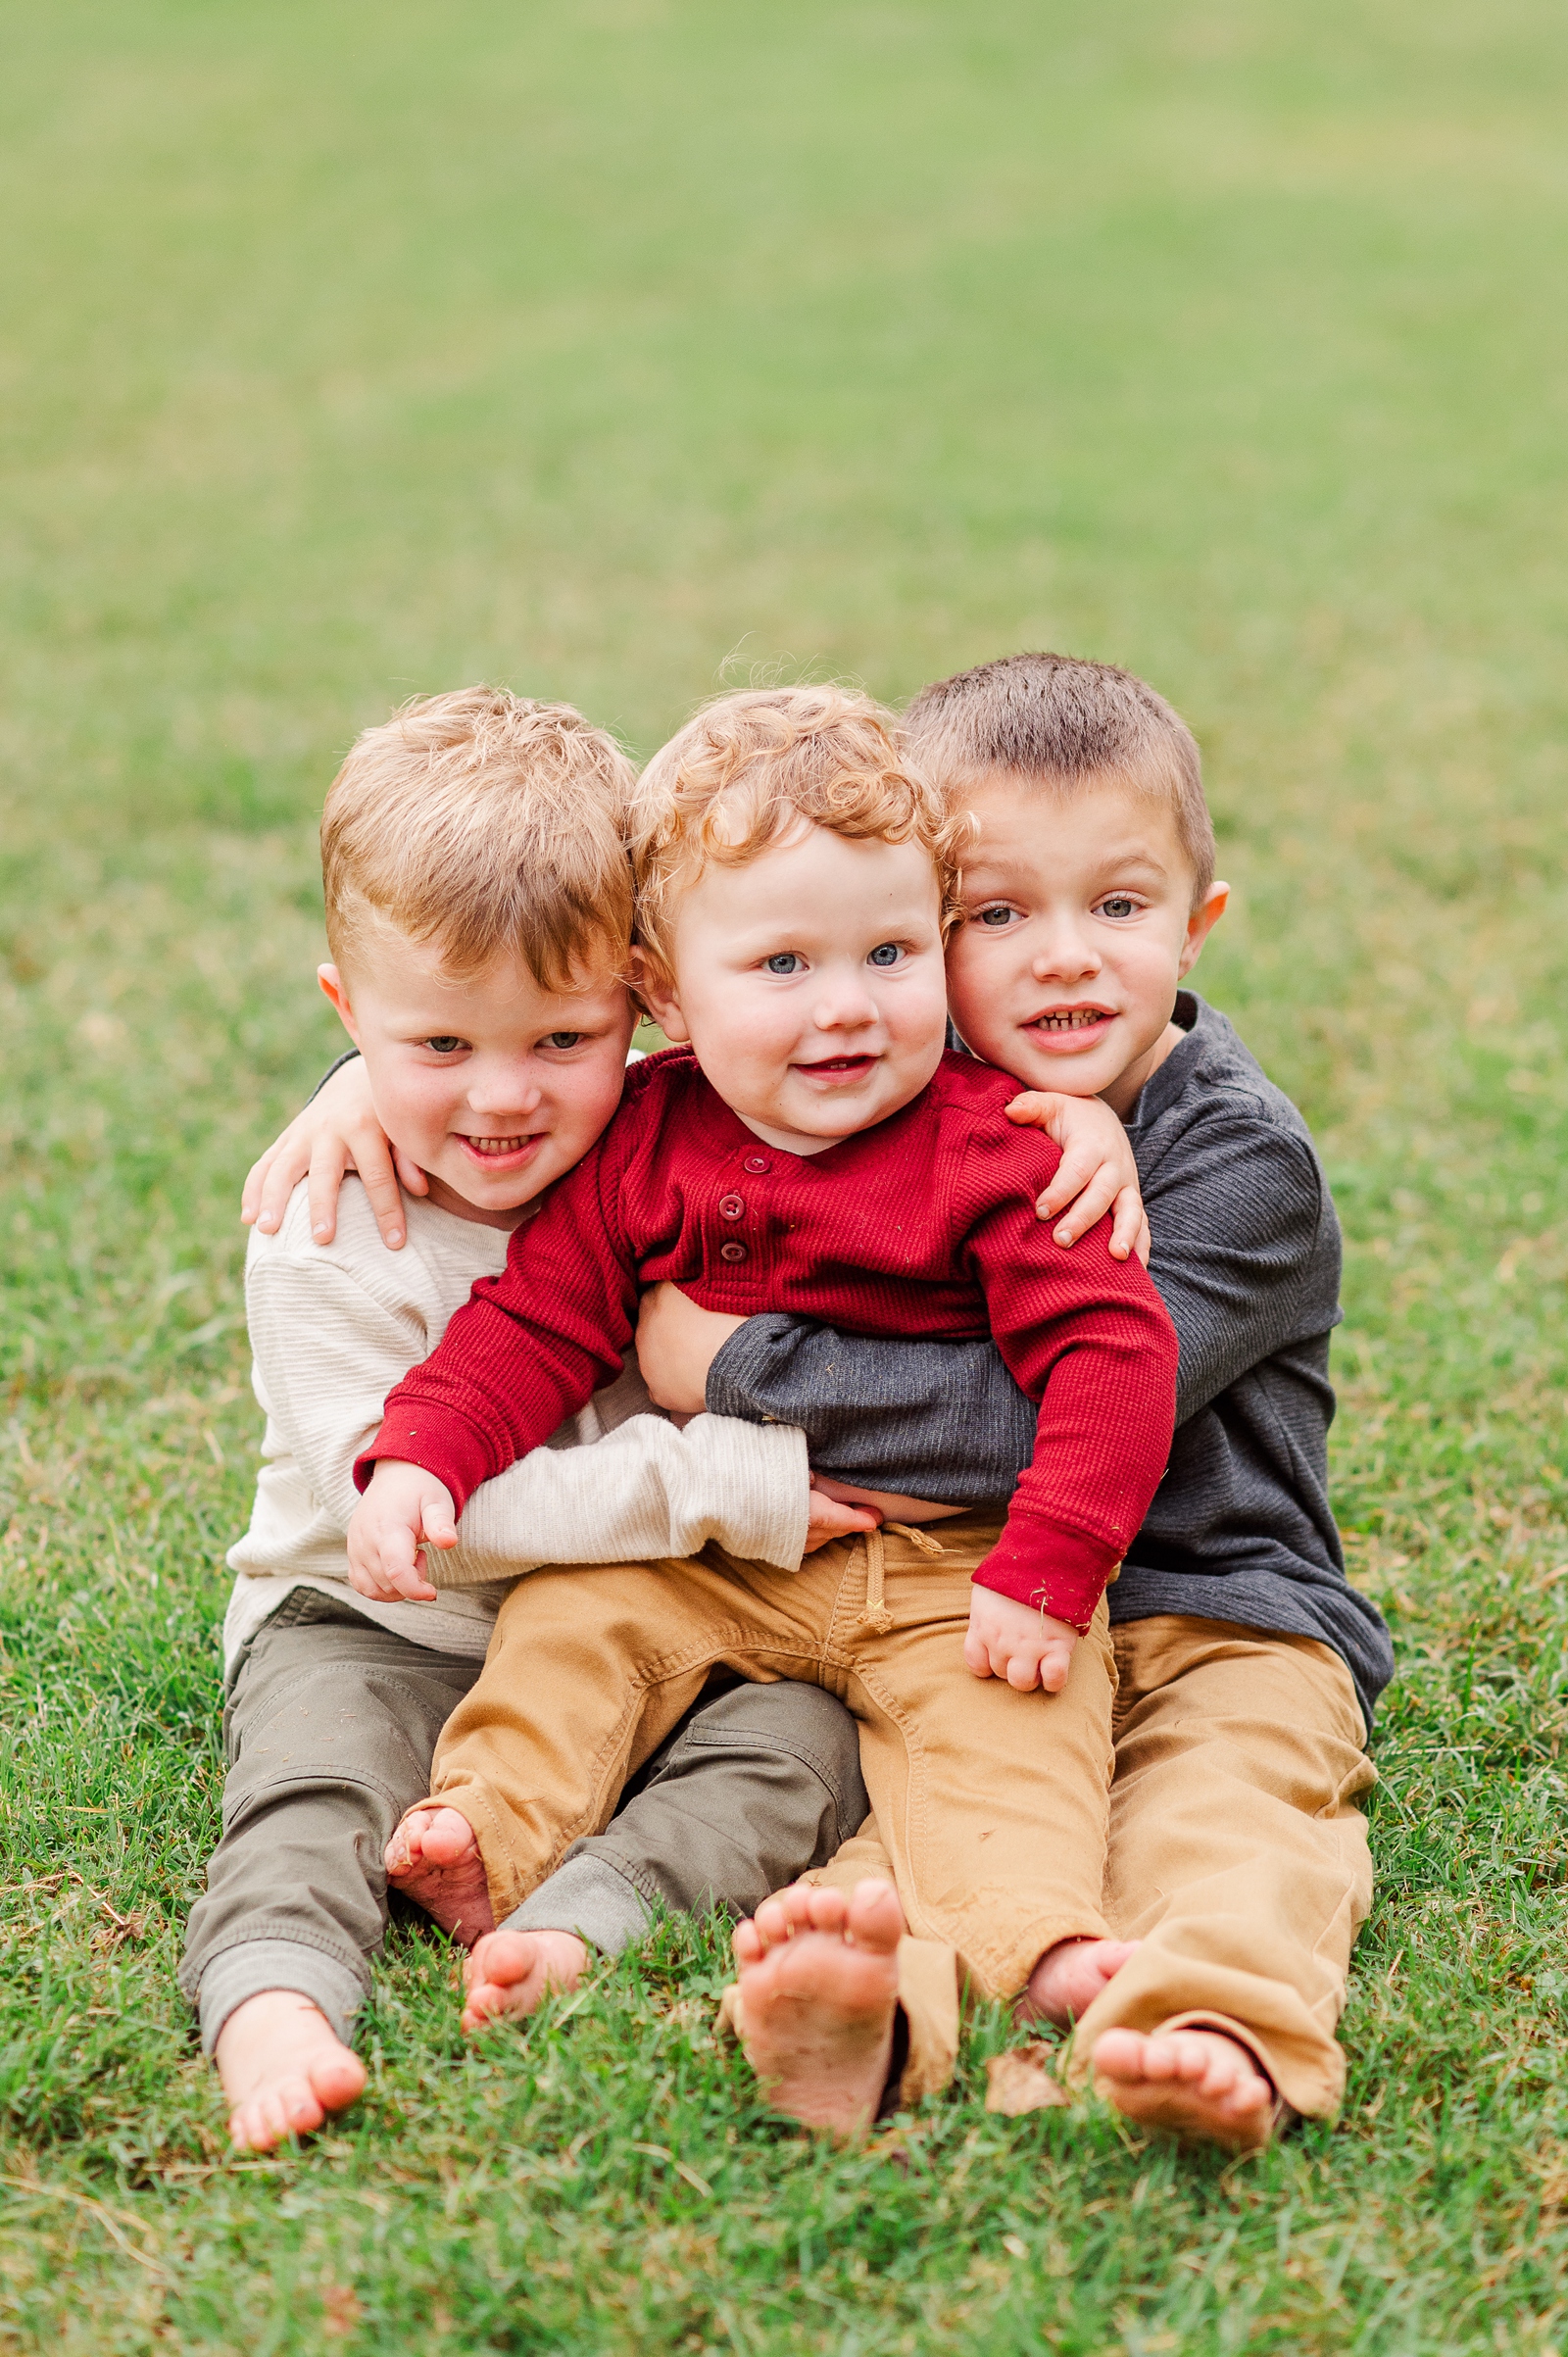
(406, 973)
(1112, 818)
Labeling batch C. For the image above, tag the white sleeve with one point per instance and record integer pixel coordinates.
(328, 1354)
(644, 1493)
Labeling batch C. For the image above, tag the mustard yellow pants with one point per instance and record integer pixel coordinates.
(1236, 1856)
(990, 1804)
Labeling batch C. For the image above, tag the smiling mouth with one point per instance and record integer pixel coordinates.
(1070, 1018)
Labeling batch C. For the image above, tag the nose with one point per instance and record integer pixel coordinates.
(1065, 955)
(844, 1004)
(504, 1089)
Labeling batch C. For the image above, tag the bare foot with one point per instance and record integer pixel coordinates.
(1068, 1978)
(513, 1971)
(434, 1859)
(818, 1985)
(283, 2069)
(1193, 2082)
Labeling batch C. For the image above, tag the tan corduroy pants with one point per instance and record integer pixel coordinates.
(1237, 1857)
(992, 1805)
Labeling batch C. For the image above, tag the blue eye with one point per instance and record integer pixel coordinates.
(886, 952)
(1118, 903)
(443, 1046)
(562, 1039)
(783, 962)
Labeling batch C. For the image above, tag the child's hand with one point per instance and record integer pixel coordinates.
(336, 1132)
(1018, 1642)
(403, 1509)
(1096, 1172)
(835, 1518)
(676, 1345)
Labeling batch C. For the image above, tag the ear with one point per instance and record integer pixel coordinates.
(655, 988)
(332, 987)
(1204, 917)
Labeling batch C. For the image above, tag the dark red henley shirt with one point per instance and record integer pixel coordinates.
(923, 1226)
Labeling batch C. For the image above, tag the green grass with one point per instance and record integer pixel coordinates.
(350, 352)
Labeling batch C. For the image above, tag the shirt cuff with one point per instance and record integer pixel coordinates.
(1054, 1571)
(421, 1434)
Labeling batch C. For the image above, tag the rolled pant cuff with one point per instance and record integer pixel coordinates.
(587, 1897)
(257, 1966)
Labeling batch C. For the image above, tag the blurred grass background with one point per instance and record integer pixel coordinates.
(348, 353)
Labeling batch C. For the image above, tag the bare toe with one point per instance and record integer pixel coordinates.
(1192, 2084)
(510, 1973)
(433, 1858)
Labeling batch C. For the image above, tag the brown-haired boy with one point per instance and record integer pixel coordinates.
(816, 1150)
(1248, 1667)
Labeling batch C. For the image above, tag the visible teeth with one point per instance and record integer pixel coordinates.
(1075, 1018)
(497, 1144)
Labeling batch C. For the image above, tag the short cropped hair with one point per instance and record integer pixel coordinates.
(748, 765)
(1068, 723)
(481, 823)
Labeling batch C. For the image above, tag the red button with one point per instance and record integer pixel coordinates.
(757, 1162)
(732, 1206)
(733, 1251)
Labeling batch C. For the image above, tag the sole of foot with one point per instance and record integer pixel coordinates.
(819, 1992)
(1194, 2083)
(434, 1860)
(1068, 1978)
(509, 1974)
(284, 2070)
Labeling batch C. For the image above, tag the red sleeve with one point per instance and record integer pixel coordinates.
(1089, 1338)
(530, 1347)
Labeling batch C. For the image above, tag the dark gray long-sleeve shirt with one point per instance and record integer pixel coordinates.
(1246, 1257)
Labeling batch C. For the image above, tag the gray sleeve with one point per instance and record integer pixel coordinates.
(943, 1421)
(1246, 1252)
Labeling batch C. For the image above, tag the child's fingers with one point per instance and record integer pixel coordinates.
(437, 1526)
(1080, 1166)
(411, 1177)
(281, 1169)
(372, 1160)
(250, 1195)
(1093, 1202)
(329, 1159)
(977, 1654)
(1143, 1241)
(1127, 1224)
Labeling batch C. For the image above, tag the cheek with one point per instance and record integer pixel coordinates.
(585, 1099)
(417, 1102)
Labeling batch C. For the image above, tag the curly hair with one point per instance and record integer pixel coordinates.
(747, 767)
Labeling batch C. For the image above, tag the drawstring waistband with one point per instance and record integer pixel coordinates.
(877, 1614)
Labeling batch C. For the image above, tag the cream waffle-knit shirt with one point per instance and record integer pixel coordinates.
(334, 1326)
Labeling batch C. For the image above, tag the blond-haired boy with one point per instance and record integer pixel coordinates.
(478, 907)
(816, 1150)
(1248, 1667)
